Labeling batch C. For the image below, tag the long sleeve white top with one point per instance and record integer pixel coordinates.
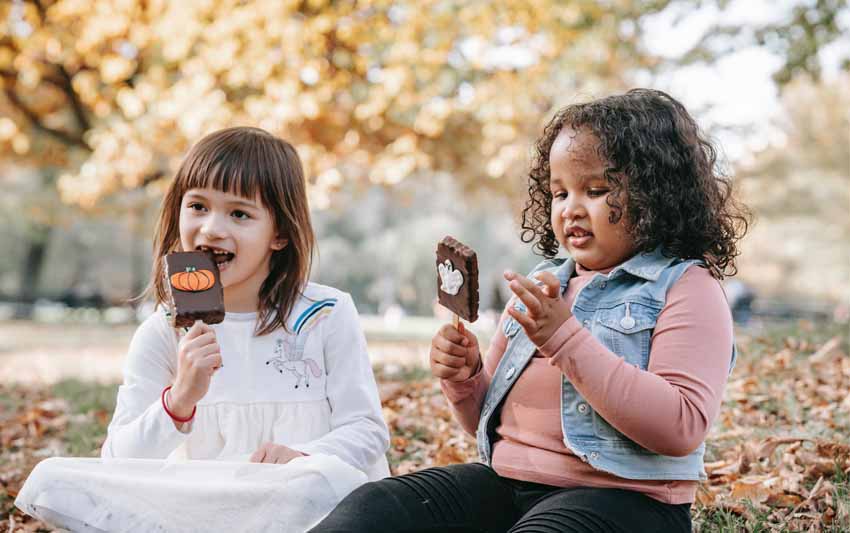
(310, 388)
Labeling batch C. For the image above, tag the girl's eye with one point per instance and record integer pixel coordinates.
(241, 215)
(597, 192)
(195, 206)
(560, 195)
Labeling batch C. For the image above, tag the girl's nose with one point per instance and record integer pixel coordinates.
(572, 210)
(213, 227)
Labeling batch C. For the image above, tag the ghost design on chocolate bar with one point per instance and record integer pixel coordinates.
(450, 279)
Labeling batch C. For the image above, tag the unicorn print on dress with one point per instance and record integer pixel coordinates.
(289, 351)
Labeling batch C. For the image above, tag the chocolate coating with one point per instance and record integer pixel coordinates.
(464, 260)
(186, 306)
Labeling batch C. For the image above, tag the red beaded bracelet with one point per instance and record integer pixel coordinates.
(172, 415)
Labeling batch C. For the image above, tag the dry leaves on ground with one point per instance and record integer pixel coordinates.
(778, 458)
(782, 455)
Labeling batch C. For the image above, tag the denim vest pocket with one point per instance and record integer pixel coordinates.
(627, 330)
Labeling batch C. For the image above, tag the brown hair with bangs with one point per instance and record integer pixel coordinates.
(244, 161)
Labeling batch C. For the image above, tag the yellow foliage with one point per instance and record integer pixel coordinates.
(389, 88)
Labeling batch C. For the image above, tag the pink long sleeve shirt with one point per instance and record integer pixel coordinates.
(667, 408)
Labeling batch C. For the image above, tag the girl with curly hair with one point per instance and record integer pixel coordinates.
(593, 402)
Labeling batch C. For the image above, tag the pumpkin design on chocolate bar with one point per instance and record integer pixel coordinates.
(193, 280)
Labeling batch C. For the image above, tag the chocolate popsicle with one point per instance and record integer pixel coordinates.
(194, 287)
(457, 278)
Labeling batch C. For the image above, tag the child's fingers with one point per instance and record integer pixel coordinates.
(442, 371)
(211, 362)
(278, 454)
(201, 352)
(531, 285)
(470, 337)
(449, 360)
(271, 456)
(206, 329)
(531, 301)
(200, 339)
(258, 456)
(197, 343)
(281, 454)
(195, 331)
(550, 284)
(262, 453)
(446, 346)
(452, 334)
(527, 323)
(198, 330)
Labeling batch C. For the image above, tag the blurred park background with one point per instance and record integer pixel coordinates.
(414, 119)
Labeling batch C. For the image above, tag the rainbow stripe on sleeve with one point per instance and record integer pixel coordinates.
(314, 314)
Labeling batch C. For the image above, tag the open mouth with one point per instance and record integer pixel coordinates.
(220, 256)
(578, 237)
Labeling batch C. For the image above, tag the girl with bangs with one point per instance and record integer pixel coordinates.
(262, 422)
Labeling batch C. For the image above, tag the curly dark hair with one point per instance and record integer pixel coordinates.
(676, 197)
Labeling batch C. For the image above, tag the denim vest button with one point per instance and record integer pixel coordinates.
(586, 323)
(594, 455)
(602, 285)
(510, 373)
(627, 322)
(582, 408)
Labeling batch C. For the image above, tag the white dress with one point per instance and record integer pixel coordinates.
(311, 389)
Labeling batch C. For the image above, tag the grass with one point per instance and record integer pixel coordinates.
(90, 408)
(719, 521)
(84, 398)
(841, 495)
(9, 402)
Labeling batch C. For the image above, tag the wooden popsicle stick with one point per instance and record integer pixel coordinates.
(457, 323)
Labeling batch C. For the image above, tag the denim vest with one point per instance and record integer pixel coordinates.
(620, 310)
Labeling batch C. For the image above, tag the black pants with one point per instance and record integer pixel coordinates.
(472, 498)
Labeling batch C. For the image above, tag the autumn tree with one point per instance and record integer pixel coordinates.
(797, 32)
(105, 96)
(800, 190)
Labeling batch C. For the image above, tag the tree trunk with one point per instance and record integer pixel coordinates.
(137, 254)
(31, 268)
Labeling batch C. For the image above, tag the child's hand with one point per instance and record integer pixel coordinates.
(279, 454)
(198, 357)
(547, 311)
(454, 354)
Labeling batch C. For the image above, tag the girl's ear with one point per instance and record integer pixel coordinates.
(279, 244)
